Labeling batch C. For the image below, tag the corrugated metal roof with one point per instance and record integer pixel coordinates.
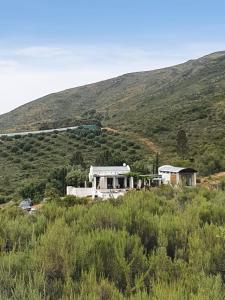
(170, 169)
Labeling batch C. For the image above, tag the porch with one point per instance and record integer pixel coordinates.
(113, 182)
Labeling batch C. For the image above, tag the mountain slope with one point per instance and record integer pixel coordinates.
(152, 104)
(179, 85)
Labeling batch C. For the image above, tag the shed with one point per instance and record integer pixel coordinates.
(178, 175)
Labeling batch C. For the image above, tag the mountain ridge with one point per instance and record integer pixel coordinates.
(117, 78)
(153, 104)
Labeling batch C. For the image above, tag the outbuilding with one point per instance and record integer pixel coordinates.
(178, 175)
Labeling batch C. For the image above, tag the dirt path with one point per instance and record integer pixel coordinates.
(147, 142)
(109, 129)
(213, 181)
(152, 147)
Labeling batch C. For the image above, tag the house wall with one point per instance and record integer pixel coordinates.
(103, 182)
(107, 195)
(193, 177)
(175, 179)
(165, 177)
(79, 192)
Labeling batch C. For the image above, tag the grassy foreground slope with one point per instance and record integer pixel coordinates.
(147, 245)
(153, 104)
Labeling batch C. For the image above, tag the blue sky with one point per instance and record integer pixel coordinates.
(47, 46)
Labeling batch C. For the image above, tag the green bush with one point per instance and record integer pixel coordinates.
(4, 199)
(69, 201)
(33, 190)
(161, 244)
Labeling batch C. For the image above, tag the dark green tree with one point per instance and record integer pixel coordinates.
(77, 159)
(57, 179)
(105, 158)
(182, 143)
(33, 190)
(153, 168)
(76, 178)
(157, 162)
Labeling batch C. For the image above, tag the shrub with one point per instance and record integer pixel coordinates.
(15, 149)
(17, 160)
(117, 145)
(33, 190)
(27, 147)
(4, 154)
(41, 138)
(4, 199)
(69, 201)
(76, 178)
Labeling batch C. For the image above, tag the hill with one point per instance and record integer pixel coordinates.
(150, 104)
(32, 158)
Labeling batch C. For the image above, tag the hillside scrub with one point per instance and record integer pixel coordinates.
(162, 244)
(153, 105)
(35, 157)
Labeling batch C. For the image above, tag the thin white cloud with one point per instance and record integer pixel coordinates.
(8, 65)
(40, 52)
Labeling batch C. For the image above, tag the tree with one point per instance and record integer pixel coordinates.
(157, 162)
(51, 193)
(57, 179)
(104, 158)
(77, 159)
(76, 178)
(141, 166)
(182, 143)
(153, 168)
(33, 190)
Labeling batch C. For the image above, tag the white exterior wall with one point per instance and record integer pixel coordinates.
(194, 179)
(79, 192)
(107, 195)
(131, 182)
(103, 183)
(165, 177)
(178, 178)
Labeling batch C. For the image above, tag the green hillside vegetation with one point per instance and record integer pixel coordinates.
(162, 244)
(152, 104)
(36, 159)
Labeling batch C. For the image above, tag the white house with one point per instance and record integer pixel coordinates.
(107, 182)
(110, 177)
(178, 176)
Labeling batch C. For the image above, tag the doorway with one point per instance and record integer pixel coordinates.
(109, 183)
(121, 183)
